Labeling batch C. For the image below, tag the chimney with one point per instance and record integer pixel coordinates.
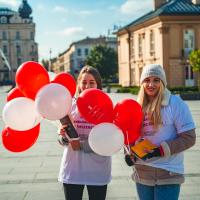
(196, 2)
(158, 3)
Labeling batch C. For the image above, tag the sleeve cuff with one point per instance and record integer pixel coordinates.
(166, 149)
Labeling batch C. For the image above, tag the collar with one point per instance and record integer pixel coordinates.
(166, 98)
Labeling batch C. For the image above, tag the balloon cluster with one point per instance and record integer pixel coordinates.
(115, 125)
(37, 95)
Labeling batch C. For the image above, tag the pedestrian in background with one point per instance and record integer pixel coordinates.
(168, 124)
(80, 166)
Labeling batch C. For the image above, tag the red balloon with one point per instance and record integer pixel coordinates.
(128, 116)
(67, 80)
(30, 77)
(131, 136)
(14, 93)
(18, 141)
(95, 106)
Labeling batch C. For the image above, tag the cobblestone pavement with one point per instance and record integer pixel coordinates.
(32, 175)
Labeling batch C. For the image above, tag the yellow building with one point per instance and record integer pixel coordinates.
(17, 39)
(164, 36)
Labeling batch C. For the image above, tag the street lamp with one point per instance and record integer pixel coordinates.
(49, 68)
(7, 65)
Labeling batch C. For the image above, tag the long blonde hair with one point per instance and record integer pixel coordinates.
(153, 108)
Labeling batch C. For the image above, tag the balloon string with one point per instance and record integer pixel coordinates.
(127, 149)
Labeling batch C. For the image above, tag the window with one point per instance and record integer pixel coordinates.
(86, 51)
(32, 48)
(18, 49)
(132, 46)
(188, 41)
(5, 49)
(152, 42)
(79, 52)
(140, 45)
(19, 61)
(4, 35)
(17, 35)
(32, 35)
(4, 20)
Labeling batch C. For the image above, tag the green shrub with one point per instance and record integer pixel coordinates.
(132, 90)
(187, 89)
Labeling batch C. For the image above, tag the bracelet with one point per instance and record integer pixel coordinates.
(74, 139)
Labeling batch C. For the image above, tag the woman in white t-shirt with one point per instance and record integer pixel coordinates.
(82, 167)
(168, 124)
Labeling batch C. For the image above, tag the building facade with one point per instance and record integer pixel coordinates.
(73, 59)
(17, 39)
(164, 36)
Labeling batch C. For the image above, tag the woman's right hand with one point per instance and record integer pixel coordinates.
(62, 139)
(130, 159)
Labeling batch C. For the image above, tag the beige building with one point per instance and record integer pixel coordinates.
(165, 36)
(17, 39)
(73, 59)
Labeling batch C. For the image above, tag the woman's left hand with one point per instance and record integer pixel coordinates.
(156, 152)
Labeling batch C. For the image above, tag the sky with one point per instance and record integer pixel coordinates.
(61, 22)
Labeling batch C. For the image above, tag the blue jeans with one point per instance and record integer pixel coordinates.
(158, 192)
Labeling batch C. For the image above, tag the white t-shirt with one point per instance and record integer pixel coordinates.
(78, 167)
(177, 119)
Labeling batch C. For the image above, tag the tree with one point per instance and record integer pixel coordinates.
(45, 64)
(194, 59)
(105, 60)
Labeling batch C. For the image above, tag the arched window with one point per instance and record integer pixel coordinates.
(4, 20)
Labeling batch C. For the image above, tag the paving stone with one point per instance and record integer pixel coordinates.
(32, 175)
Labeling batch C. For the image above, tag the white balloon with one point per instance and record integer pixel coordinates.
(106, 139)
(52, 75)
(20, 114)
(53, 101)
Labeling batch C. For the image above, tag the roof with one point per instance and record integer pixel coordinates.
(94, 41)
(170, 8)
(89, 40)
(6, 12)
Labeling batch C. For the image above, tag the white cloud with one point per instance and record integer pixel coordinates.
(40, 7)
(71, 31)
(12, 3)
(60, 9)
(132, 7)
(85, 12)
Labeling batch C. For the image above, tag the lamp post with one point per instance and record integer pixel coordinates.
(49, 68)
(7, 65)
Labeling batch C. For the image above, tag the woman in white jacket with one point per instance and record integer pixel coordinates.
(168, 124)
(82, 167)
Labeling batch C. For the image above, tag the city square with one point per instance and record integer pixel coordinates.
(32, 175)
(79, 45)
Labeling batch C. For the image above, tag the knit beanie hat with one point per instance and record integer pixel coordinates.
(153, 70)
